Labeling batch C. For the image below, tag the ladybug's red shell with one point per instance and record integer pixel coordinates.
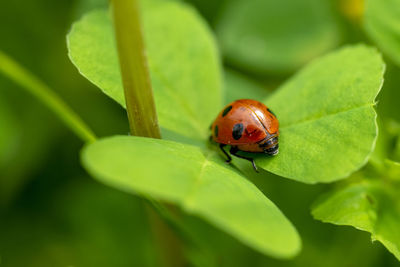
(246, 124)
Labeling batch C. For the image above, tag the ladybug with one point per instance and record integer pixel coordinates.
(246, 125)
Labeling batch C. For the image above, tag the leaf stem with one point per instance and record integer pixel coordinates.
(43, 93)
(140, 106)
(134, 69)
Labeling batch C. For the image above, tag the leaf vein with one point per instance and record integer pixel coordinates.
(189, 198)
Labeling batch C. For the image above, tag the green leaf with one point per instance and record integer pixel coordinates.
(183, 61)
(238, 86)
(276, 36)
(370, 205)
(199, 183)
(382, 24)
(327, 120)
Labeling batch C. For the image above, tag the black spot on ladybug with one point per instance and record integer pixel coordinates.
(237, 131)
(216, 131)
(270, 111)
(226, 111)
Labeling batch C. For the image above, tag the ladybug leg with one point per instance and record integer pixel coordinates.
(234, 151)
(221, 146)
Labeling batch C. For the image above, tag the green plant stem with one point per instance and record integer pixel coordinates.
(134, 69)
(43, 93)
(167, 243)
(140, 107)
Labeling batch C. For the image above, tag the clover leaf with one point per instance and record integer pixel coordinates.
(199, 182)
(370, 202)
(327, 119)
(326, 110)
(326, 114)
(370, 205)
(183, 61)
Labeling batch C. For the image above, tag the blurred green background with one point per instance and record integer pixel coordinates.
(53, 214)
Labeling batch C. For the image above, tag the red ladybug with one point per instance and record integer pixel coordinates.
(246, 125)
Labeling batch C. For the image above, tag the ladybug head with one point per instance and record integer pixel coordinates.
(270, 146)
(272, 151)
